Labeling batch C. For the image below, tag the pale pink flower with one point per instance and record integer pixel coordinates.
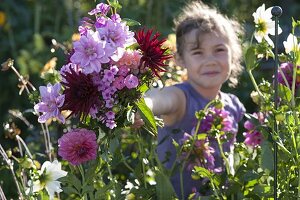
(131, 81)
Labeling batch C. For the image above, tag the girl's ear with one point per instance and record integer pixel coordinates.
(179, 60)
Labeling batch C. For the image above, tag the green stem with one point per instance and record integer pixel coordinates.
(223, 155)
(255, 84)
(181, 181)
(81, 170)
(143, 164)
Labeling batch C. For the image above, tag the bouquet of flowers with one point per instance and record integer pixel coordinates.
(99, 88)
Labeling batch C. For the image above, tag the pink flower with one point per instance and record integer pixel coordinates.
(123, 70)
(253, 138)
(78, 146)
(51, 101)
(131, 81)
(131, 59)
(119, 83)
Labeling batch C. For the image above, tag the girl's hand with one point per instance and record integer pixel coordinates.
(138, 121)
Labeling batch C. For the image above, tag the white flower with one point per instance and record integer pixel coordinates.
(49, 174)
(264, 24)
(291, 44)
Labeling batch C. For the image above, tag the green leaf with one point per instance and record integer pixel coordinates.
(72, 180)
(164, 188)
(201, 136)
(115, 4)
(201, 171)
(113, 145)
(70, 190)
(284, 92)
(250, 58)
(147, 116)
(131, 22)
(267, 159)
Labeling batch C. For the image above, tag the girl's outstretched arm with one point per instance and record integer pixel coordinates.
(168, 103)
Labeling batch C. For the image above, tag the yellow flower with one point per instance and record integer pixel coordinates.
(2, 18)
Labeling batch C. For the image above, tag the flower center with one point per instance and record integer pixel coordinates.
(90, 51)
(261, 26)
(81, 151)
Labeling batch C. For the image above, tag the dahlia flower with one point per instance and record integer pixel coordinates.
(78, 146)
(90, 52)
(153, 53)
(264, 24)
(81, 94)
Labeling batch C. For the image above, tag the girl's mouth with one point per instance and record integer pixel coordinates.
(211, 73)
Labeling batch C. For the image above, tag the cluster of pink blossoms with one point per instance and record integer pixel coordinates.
(102, 67)
(253, 137)
(201, 152)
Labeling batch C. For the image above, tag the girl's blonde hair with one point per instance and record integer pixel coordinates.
(197, 15)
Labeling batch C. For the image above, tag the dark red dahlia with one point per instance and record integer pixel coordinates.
(81, 94)
(153, 53)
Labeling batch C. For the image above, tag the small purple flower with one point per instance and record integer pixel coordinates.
(100, 22)
(110, 115)
(131, 81)
(114, 69)
(100, 8)
(90, 52)
(108, 75)
(67, 68)
(116, 18)
(111, 124)
(78, 146)
(51, 101)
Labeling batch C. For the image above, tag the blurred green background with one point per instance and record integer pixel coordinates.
(27, 28)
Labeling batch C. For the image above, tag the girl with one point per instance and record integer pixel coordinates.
(208, 47)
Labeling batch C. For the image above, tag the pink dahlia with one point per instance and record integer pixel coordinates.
(78, 146)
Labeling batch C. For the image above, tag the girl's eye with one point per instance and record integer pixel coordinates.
(220, 50)
(197, 52)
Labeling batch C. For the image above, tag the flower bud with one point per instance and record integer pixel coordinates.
(255, 97)
(279, 117)
(130, 196)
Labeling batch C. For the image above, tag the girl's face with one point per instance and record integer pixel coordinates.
(208, 64)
